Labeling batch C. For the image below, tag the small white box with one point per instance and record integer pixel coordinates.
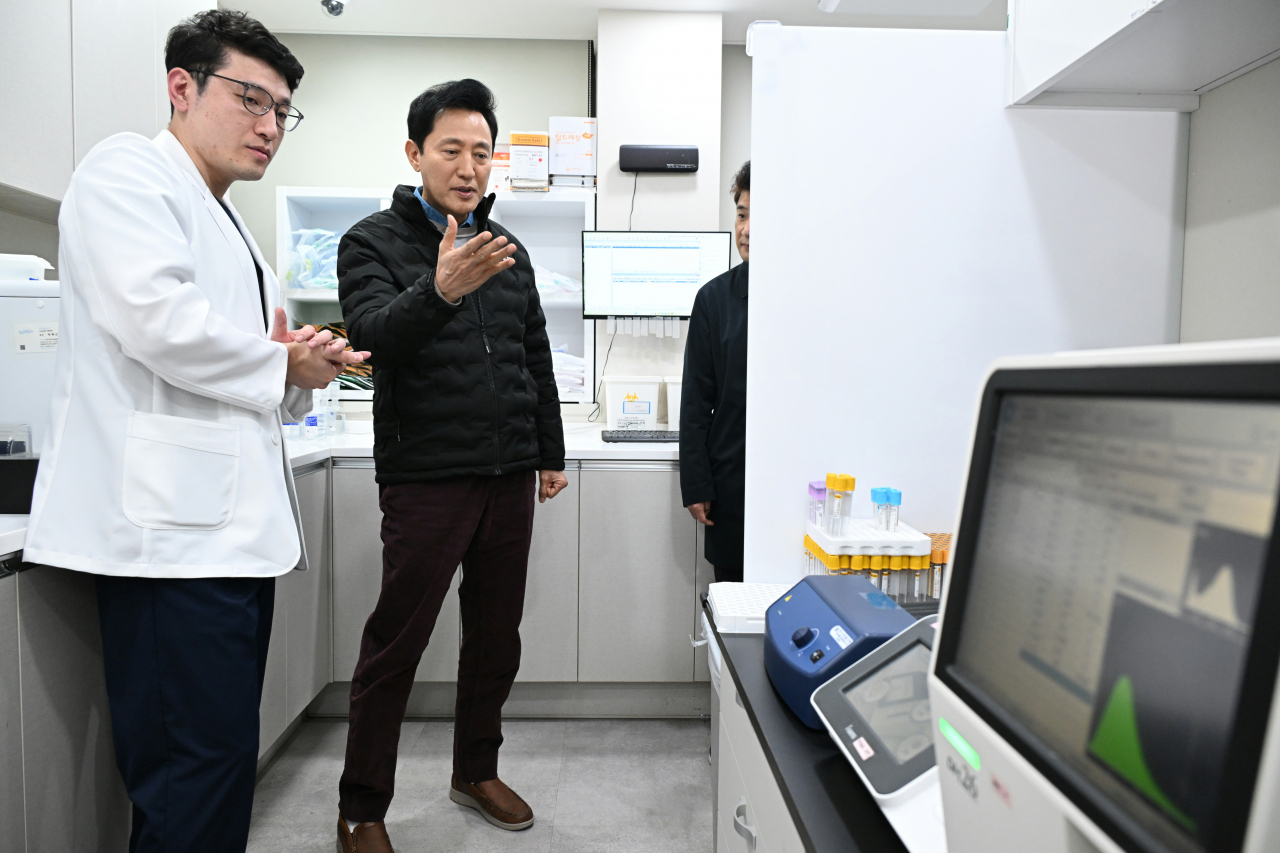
(573, 146)
(632, 401)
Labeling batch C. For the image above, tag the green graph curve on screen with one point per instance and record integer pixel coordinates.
(1116, 743)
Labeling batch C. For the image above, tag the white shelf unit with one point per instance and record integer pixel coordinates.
(332, 208)
(549, 225)
(1134, 54)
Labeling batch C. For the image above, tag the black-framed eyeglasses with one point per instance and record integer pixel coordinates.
(258, 101)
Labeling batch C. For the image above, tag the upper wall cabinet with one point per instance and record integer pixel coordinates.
(35, 98)
(74, 73)
(1134, 54)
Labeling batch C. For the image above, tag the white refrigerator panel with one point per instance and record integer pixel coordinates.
(28, 352)
(907, 230)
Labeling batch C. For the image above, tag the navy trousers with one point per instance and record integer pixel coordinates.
(184, 663)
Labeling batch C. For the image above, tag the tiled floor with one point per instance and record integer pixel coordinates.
(604, 786)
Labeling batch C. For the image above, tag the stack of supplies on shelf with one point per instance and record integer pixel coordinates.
(529, 167)
(313, 262)
(554, 287)
(570, 371)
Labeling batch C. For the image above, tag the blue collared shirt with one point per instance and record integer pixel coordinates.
(438, 217)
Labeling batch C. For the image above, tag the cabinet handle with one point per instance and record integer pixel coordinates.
(741, 826)
(737, 697)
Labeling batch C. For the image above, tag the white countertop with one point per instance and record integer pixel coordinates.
(582, 442)
(13, 533)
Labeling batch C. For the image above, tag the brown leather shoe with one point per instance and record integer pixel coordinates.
(365, 838)
(496, 803)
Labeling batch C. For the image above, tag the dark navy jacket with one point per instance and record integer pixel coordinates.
(713, 412)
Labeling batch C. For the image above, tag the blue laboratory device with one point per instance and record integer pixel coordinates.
(821, 627)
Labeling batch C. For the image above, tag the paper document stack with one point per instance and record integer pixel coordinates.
(529, 162)
(573, 151)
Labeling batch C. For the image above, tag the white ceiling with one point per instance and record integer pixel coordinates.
(576, 19)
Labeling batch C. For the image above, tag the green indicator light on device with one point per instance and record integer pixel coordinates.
(953, 737)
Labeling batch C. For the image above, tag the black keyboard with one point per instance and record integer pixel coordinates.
(641, 435)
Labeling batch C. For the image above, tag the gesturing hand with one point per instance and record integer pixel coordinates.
(462, 270)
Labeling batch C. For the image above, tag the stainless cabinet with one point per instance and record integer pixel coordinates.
(13, 839)
(307, 601)
(549, 629)
(298, 661)
(704, 576)
(271, 708)
(75, 798)
(357, 578)
(636, 578)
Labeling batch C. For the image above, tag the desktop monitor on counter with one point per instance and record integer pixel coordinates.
(649, 273)
(1105, 675)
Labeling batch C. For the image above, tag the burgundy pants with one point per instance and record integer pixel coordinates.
(485, 524)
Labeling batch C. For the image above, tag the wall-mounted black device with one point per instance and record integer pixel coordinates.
(658, 158)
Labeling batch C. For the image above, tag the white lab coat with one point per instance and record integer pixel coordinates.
(164, 456)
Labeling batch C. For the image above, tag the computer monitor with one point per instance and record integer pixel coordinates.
(1110, 635)
(649, 273)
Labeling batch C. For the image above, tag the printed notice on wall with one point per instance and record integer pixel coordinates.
(35, 337)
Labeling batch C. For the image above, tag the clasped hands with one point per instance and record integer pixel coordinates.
(315, 358)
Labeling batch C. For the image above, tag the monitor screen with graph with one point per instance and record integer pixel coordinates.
(1113, 594)
(649, 273)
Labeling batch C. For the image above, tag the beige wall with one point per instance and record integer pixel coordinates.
(735, 126)
(1231, 274)
(21, 235)
(356, 94)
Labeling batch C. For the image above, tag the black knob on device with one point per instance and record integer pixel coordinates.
(803, 637)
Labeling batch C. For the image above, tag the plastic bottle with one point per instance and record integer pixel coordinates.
(311, 425)
(331, 407)
(829, 497)
(895, 501)
(879, 507)
(937, 567)
(817, 502)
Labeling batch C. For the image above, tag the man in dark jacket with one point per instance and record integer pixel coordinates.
(465, 411)
(713, 408)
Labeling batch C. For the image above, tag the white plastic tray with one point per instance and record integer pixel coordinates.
(739, 608)
(863, 538)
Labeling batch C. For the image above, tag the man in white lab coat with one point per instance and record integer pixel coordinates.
(164, 472)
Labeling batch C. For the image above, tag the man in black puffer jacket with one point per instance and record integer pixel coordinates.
(465, 411)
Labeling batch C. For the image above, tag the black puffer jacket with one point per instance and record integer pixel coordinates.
(457, 390)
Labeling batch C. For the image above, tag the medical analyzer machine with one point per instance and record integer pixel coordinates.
(1105, 674)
